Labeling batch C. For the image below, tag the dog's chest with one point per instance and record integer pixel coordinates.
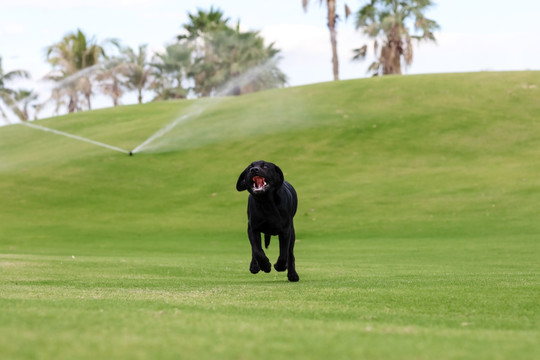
(270, 220)
(267, 226)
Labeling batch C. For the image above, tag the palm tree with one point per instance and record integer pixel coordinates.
(332, 19)
(25, 99)
(204, 23)
(74, 59)
(385, 20)
(8, 95)
(138, 71)
(171, 69)
(111, 78)
(200, 30)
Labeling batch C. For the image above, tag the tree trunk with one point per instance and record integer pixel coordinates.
(72, 106)
(390, 60)
(391, 54)
(116, 92)
(333, 36)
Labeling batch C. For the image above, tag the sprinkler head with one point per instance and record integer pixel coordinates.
(131, 153)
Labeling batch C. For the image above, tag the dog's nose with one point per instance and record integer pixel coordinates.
(254, 170)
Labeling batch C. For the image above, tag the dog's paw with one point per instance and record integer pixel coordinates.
(254, 267)
(293, 276)
(265, 265)
(280, 265)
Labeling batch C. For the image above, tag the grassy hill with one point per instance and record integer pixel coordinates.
(417, 225)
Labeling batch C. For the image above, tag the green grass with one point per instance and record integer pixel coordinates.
(417, 226)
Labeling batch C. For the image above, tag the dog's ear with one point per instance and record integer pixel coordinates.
(241, 183)
(280, 175)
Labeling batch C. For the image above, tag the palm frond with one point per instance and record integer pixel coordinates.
(11, 103)
(348, 11)
(374, 67)
(360, 53)
(16, 74)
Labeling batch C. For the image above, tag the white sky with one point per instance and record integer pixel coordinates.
(475, 35)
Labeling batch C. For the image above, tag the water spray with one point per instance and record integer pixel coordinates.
(76, 137)
(165, 130)
(220, 94)
(193, 111)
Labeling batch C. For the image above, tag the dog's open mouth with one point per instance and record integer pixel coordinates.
(259, 184)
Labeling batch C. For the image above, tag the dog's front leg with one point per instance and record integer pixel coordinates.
(284, 241)
(259, 261)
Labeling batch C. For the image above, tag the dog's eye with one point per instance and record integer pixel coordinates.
(264, 166)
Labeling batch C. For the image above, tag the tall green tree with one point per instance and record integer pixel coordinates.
(386, 22)
(222, 53)
(332, 22)
(245, 63)
(201, 28)
(8, 96)
(74, 60)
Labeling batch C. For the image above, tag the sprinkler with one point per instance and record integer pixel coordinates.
(131, 153)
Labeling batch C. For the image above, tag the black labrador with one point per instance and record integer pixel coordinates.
(272, 205)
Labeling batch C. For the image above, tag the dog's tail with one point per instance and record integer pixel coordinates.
(266, 240)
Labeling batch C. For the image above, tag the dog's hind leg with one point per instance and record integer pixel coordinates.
(266, 240)
(292, 275)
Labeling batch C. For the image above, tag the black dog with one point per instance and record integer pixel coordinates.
(271, 207)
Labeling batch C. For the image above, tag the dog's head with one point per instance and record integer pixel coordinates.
(260, 177)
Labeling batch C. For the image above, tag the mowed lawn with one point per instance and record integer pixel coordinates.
(418, 227)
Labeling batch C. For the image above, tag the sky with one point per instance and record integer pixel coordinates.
(475, 35)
